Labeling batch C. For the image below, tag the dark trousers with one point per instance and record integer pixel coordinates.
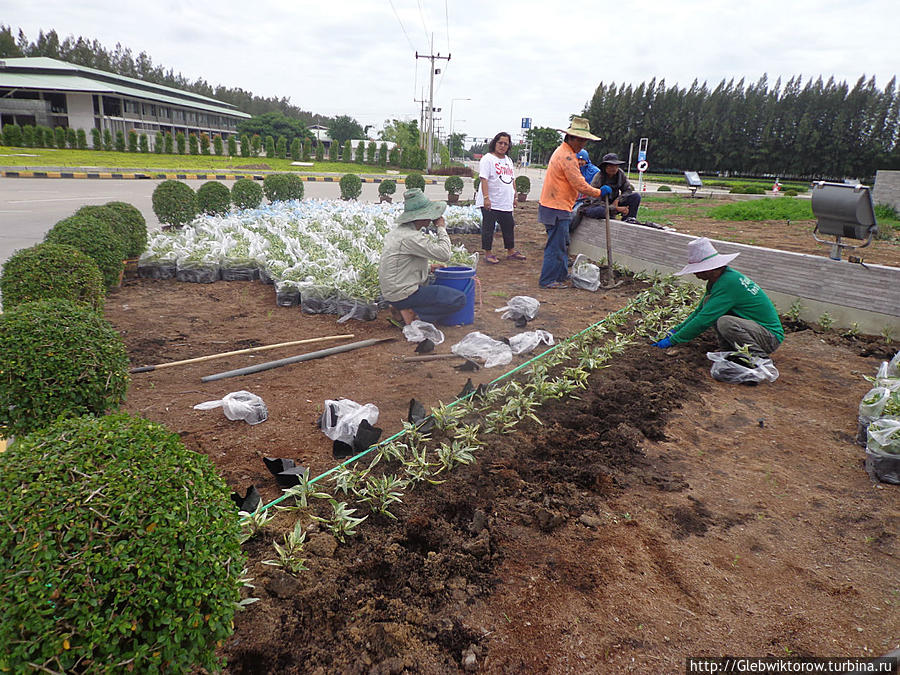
(632, 200)
(489, 218)
(433, 302)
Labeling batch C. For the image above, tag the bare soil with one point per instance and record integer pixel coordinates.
(659, 515)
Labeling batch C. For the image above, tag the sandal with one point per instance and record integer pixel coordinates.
(491, 258)
(558, 284)
(515, 255)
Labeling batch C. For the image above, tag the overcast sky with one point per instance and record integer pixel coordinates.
(513, 59)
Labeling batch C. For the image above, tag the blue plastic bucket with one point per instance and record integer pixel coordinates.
(462, 279)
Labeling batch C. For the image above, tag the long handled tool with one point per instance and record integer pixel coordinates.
(609, 261)
(295, 359)
(249, 350)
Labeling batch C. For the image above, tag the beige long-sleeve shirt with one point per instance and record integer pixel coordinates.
(405, 259)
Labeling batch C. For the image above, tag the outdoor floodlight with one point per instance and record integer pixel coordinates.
(843, 210)
(693, 182)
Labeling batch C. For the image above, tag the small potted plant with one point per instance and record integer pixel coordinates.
(523, 187)
(386, 188)
(475, 184)
(453, 185)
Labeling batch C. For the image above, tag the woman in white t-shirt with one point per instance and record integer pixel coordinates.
(496, 197)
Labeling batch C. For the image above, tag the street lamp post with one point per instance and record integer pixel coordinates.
(449, 138)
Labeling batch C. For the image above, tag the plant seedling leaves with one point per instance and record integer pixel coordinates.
(341, 450)
(467, 367)
(467, 389)
(276, 465)
(290, 477)
(366, 436)
(425, 346)
(249, 502)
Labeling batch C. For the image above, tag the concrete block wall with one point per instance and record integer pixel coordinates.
(849, 292)
(887, 188)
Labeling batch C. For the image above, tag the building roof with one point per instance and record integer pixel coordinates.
(46, 73)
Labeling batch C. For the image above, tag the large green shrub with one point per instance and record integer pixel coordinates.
(120, 551)
(59, 137)
(371, 152)
(120, 141)
(453, 185)
(193, 144)
(159, 144)
(415, 180)
(81, 140)
(246, 193)
(136, 242)
(351, 186)
(382, 155)
(347, 152)
(204, 143)
(57, 358)
(107, 140)
(270, 147)
(114, 219)
(170, 143)
(51, 271)
(213, 197)
(132, 140)
(28, 136)
(180, 141)
(320, 151)
(96, 139)
(280, 187)
(95, 237)
(174, 202)
(71, 138)
(232, 146)
(360, 152)
(296, 149)
(143, 143)
(281, 147)
(12, 135)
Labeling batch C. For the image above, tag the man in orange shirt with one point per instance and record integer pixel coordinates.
(562, 183)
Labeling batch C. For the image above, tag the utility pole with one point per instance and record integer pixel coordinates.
(430, 117)
(421, 119)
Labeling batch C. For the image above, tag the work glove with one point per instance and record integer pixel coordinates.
(665, 343)
(605, 191)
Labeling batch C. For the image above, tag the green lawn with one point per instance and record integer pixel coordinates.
(51, 157)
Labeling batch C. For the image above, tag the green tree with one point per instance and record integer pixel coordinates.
(245, 145)
(382, 155)
(404, 134)
(107, 139)
(544, 140)
(320, 151)
(204, 143)
(270, 146)
(218, 145)
(143, 143)
(296, 149)
(307, 149)
(256, 144)
(170, 143)
(96, 139)
(193, 144)
(457, 144)
(281, 148)
(159, 144)
(347, 152)
(132, 140)
(71, 138)
(361, 152)
(232, 146)
(343, 128)
(274, 124)
(120, 140)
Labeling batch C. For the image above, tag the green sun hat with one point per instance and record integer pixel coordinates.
(416, 206)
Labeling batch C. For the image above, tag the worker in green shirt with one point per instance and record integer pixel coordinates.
(738, 308)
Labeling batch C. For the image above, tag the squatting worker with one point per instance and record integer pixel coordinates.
(623, 201)
(405, 262)
(740, 310)
(496, 199)
(562, 183)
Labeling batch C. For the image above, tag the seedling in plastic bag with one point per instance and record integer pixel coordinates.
(290, 556)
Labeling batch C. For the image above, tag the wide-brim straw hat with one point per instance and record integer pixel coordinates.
(580, 128)
(702, 257)
(416, 206)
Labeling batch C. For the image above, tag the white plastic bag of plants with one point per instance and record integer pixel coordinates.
(585, 274)
(341, 418)
(477, 345)
(883, 450)
(726, 369)
(419, 331)
(525, 342)
(520, 306)
(239, 405)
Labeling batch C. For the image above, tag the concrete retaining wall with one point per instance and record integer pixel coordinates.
(849, 292)
(887, 188)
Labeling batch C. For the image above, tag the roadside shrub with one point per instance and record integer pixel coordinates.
(193, 144)
(232, 146)
(107, 139)
(143, 143)
(213, 198)
(218, 145)
(136, 226)
(454, 185)
(747, 189)
(306, 151)
(169, 140)
(132, 141)
(790, 193)
(334, 151)
(152, 583)
(48, 271)
(281, 148)
(111, 217)
(245, 145)
(351, 186)
(246, 193)
(523, 185)
(347, 152)
(270, 147)
(664, 188)
(296, 149)
(81, 140)
(159, 143)
(39, 136)
(371, 152)
(256, 144)
(28, 136)
(320, 151)
(174, 202)
(361, 152)
(280, 187)
(394, 159)
(204, 143)
(180, 141)
(120, 141)
(96, 139)
(387, 187)
(415, 180)
(382, 155)
(59, 137)
(57, 359)
(12, 135)
(94, 237)
(71, 138)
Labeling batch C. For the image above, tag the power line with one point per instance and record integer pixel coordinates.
(411, 45)
(422, 16)
(447, 23)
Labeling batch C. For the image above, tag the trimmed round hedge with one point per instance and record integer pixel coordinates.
(523, 185)
(280, 187)
(351, 186)
(387, 187)
(50, 271)
(246, 193)
(664, 188)
(94, 236)
(57, 358)
(120, 550)
(112, 218)
(415, 180)
(213, 198)
(453, 185)
(174, 203)
(137, 227)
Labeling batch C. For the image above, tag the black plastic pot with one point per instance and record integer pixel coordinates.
(249, 502)
(425, 346)
(276, 465)
(290, 477)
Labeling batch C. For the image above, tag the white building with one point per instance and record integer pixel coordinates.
(52, 93)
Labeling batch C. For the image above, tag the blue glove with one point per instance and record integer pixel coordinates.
(665, 343)
(605, 191)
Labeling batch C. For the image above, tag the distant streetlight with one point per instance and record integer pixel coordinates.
(452, 101)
